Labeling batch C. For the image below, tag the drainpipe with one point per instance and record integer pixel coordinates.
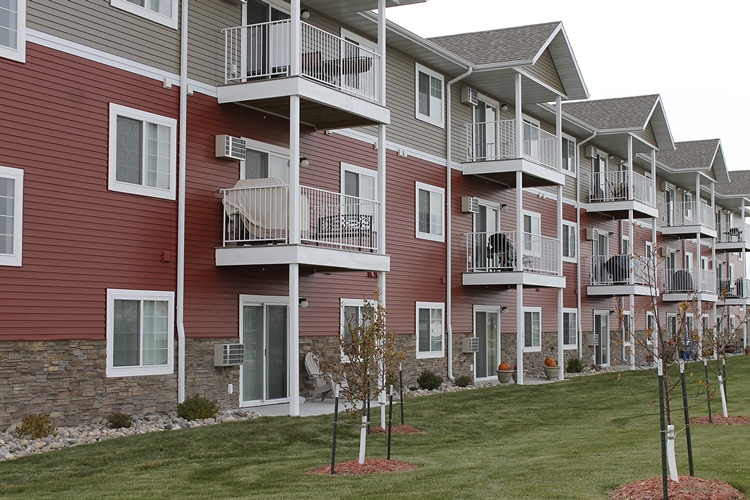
(578, 224)
(448, 225)
(181, 204)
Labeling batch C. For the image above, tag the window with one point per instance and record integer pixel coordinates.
(160, 11)
(354, 46)
(429, 96)
(430, 201)
(430, 329)
(532, 328)
(671, 331)
(650, 327)
(11, 214)
(532, 230)
(13, 29)
(351, 316)
(265, 161)
(359, 183)
(569, 155)
(688, 206)
(569, 241)
(570, 328)
(142, 153)
(140, 333)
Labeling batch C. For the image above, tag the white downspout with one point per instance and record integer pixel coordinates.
(578, 225)
(181, 205)
(448, 225)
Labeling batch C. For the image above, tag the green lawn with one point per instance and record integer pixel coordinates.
(574, 439)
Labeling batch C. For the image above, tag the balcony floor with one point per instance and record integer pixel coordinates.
(621, 209)
(504, 172)
(686, 297)
(620, 290)
(524, 278)
(332, 259)
(689, 231)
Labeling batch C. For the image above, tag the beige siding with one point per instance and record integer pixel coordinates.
(545, 71)
(647, 135)
(206, 42)
(100, 26)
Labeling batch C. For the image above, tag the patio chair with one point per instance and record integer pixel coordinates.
(323, 383)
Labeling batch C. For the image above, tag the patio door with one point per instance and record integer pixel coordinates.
(263, 326)
(601, 254)
(599, 184)
(486, 131)
(601, 338)
(486, 224)
(487, 331)
(268, 48)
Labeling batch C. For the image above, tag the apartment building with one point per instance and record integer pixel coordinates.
(198, 193)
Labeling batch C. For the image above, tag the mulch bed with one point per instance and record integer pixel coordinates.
(371, 466)
(396, 429)
(721, 420)
(689, 488)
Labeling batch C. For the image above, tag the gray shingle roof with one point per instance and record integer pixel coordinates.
(613, 114)
(690, 155)
(739, 184)
(522, 43)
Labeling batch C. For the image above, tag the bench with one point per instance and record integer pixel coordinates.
(355, 226)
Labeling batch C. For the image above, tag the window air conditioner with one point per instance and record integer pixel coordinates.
(232, 148)
(591, 152)
(469, 96)
(469, 205)
(470, 345)
(590, 234)
(229, 354)
(593, 339)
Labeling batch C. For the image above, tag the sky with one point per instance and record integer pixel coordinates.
(694, 54)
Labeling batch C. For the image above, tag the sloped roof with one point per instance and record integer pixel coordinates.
(622, 113)
(522, 43)
(696, 156)
(739, 185)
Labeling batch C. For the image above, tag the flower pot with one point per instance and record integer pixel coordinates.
(551, 372)
(747, 351)
(515, 375)
(504, 376)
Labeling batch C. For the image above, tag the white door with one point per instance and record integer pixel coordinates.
(486, 225)
(264, 375)
(487, 331)
(601, 338)
(486, 131)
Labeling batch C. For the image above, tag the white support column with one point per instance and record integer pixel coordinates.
(630, 168)
(381, 146)
(294, 239)
(293, 339)
(654, 283)
(295, 44)
(520, 335)
(558, 131)
(520, 328)
(697, 215)
(519, 116)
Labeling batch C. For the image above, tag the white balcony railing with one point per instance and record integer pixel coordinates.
(683, 281)
(497, 141)
(687, 213)
(490, 252)
(735, 234)
(614, 186)
(258, 215)
(738, 288)
(326, 58)
(615, 270)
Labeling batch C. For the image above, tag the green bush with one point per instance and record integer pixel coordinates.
(575, 365)
(463, 380)
(119, 420)
(38, 426)
(197, 407)
(430, 381)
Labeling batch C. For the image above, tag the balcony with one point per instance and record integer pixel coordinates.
(686, 219)
(491, 152)
(338, 81)
(681, 285)
(734, 292)
(611, 194)
(611, 275)
(336, 232)
(733, 239)
(498, 259)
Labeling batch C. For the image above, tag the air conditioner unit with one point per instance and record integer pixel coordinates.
(469, 96)
(470, 345)
(232, 148)
(469, 205)
(590, 234)
(591, 152)
(229, 354)
(593, 339)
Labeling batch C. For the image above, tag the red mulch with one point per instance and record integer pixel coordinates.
(371, 466)
(721, 420)
(689, 488)
(396, 429)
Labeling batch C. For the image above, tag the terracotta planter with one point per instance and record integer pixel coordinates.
(747, 351)
(551, 372)
(504, 376)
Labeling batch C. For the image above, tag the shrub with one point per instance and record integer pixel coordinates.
(575, 365)
(463, 380)
(119, 420)
(38, 426)
(197, 407)
(430, 381)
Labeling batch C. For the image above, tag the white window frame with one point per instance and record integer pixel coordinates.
(431, 118)
(18, 53)
(269, 149)
(570, 310)
(360, 171)
(573, 165)
(687, 198)
(170, 21)
(430, 306)
(139, 295)
(672, 326)
(419, 186)
(533, 347)
(651, 323)
(529, 248)
(14, 258)
(572, 230)
(115, 111)
(359, 304)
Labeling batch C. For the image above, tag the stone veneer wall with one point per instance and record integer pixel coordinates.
(66, 380)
